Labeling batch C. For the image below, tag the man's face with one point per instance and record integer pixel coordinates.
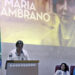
(66, 9)
(19, 48)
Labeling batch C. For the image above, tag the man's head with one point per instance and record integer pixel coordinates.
(19, 46)
(64, 8)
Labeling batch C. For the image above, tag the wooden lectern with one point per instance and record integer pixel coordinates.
(22, 67)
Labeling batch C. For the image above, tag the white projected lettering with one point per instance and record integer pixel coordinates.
(24, 9)
(9, 2)
(4, 12)
(16, 5)
(24, 4)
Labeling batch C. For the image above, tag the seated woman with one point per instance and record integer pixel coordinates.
(64, 70)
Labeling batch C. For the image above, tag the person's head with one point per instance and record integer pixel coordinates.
(64, 67)
(64, 8)
(19, 46)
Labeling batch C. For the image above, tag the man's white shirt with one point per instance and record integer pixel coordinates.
(14, 56)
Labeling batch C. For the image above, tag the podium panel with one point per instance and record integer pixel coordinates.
(22, 68)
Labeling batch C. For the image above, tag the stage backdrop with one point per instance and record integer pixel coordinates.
(47, 28)
(38, 22)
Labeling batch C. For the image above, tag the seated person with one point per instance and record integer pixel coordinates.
(64, 70)
(19, 53)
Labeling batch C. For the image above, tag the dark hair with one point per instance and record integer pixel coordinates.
(61, 2)
(54, 5)
(19, 42)
(66, 67)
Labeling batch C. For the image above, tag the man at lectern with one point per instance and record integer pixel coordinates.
(19, 53)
